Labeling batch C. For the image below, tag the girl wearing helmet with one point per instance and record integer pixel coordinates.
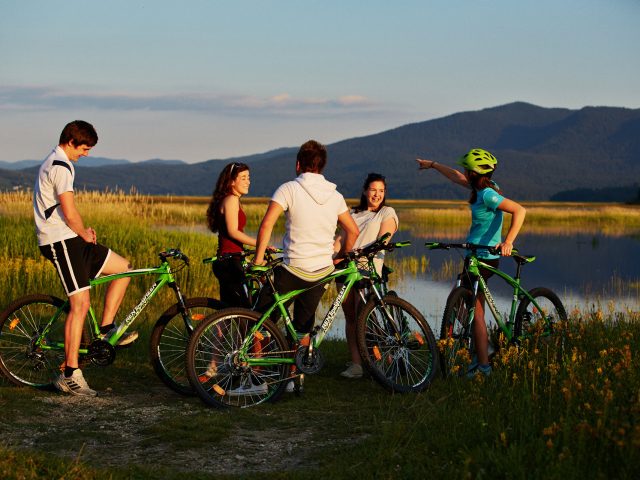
(487, 206)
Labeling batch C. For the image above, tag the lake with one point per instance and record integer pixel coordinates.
(585, 270)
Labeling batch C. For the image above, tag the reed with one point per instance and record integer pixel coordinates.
(139, 226)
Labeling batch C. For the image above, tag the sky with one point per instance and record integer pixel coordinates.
(203, 79)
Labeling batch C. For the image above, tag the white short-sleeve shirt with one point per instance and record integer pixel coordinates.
(369, 225)
(55, 177)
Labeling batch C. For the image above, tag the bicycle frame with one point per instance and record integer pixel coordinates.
(351, 275)
(165, 277)
(519, 292)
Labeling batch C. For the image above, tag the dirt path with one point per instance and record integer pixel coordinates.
(151, 426)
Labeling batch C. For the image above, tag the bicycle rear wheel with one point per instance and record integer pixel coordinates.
(22, 361)
(170, 337)
(397, 345)
(455, 334)
(531, 320)
(217, 372)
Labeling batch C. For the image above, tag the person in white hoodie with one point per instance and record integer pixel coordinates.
(313, 208)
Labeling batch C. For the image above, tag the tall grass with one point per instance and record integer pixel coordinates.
(565, 407)
(450, 219)
(139, 226)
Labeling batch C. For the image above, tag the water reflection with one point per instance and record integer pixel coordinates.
(585, 270)
(579, 265)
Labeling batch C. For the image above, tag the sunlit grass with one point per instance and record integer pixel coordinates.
(565, 406)
(557, 219)
(139, 226)
(561, 407)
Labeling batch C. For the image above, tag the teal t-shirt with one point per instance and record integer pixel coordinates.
(486, 221)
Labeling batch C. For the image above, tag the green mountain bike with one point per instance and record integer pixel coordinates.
(240, 358)
(532, 312)
(32, 331)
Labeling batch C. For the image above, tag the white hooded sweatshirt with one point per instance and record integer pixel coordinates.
(312, 206)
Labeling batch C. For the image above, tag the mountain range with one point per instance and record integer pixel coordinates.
(590, 154)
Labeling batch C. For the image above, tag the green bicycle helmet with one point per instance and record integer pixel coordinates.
(479, 161)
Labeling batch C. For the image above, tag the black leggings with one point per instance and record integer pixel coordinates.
(231, 277)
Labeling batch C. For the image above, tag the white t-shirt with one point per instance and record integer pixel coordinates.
(369, 224)
(55, 177)
(312, 206)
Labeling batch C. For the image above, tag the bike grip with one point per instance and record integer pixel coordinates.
(258, 268)
(209, 260)
(402, 244)
(166, 253)
(432, 245)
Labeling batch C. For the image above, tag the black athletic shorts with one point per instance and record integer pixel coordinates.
(76, 262)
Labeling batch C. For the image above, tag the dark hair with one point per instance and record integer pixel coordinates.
(372, 177)
(223, 188)
(79, 133)
(480, 182)
(312, 157)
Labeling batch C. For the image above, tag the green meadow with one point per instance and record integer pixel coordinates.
(565, 407)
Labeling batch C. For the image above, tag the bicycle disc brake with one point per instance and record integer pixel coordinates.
(309, 362)
(101, 353)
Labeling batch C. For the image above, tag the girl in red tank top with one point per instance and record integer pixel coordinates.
(226, 218)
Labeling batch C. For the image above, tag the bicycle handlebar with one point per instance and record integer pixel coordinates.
(475, 247)
(467, 246)
(243, 254)
(259, 270)
(375, 247)
(173, 253)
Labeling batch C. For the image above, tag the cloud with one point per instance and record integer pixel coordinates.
(25, 98)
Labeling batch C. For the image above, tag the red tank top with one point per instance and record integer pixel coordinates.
(227, 244)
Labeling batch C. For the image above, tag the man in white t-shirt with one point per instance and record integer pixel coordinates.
(73, 249)
(313, 208)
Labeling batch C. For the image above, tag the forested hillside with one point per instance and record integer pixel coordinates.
(543, 153)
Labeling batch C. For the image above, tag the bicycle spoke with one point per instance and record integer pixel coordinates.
(21, 361)
(170, 338)
(397, 345)
(223, 375)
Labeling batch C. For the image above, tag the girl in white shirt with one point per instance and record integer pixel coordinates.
(374, 219)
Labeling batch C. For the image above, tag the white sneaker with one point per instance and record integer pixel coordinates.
(353, 371)
(249, 389)
(75, 384)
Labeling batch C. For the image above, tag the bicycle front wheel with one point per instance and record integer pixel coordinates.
(27, 357)
(170, 337)
(222, 376)
(455, 334)
(531, 319)
(397, 345)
